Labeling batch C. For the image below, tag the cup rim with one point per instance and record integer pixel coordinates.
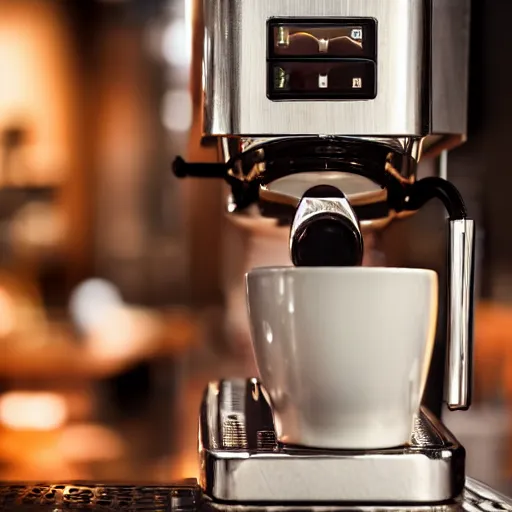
(338, 270)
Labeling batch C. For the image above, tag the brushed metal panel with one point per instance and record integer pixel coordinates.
(218, 97)
(235, 71)
(450, 65)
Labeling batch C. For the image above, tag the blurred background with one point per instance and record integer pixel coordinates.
(121, 287)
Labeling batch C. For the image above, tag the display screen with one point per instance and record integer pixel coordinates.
(322, 59)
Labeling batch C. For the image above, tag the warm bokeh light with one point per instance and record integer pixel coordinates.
(125, 334)
(86, 442)
(38, 226)
(112, 330)
(189, 15)
(21, 410)
(22, 318)
(177, 110)
(92, 303)
(176, 47)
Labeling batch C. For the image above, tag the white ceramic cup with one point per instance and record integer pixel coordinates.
(343, 352)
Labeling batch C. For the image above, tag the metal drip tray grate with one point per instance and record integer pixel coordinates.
(242, 462)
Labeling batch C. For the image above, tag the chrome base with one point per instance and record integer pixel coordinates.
(241, 462)
(477, 497)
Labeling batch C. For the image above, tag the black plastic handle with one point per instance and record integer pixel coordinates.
(182, 169)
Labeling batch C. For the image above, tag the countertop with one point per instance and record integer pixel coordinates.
(186, 496)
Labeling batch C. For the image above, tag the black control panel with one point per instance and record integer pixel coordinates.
(327, 59)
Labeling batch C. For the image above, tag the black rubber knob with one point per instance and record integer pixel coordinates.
(179, 167)
(327, 241)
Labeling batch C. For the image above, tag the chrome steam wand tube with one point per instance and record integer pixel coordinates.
(460, 327)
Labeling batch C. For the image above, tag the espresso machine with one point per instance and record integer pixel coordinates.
(322, 111)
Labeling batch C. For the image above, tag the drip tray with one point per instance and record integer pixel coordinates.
(241, 462)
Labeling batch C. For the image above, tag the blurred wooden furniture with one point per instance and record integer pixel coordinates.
(493, 351)
(493, 359)
(60, 355)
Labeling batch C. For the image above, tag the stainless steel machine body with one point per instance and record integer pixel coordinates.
(417, 102)
(421, 68)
